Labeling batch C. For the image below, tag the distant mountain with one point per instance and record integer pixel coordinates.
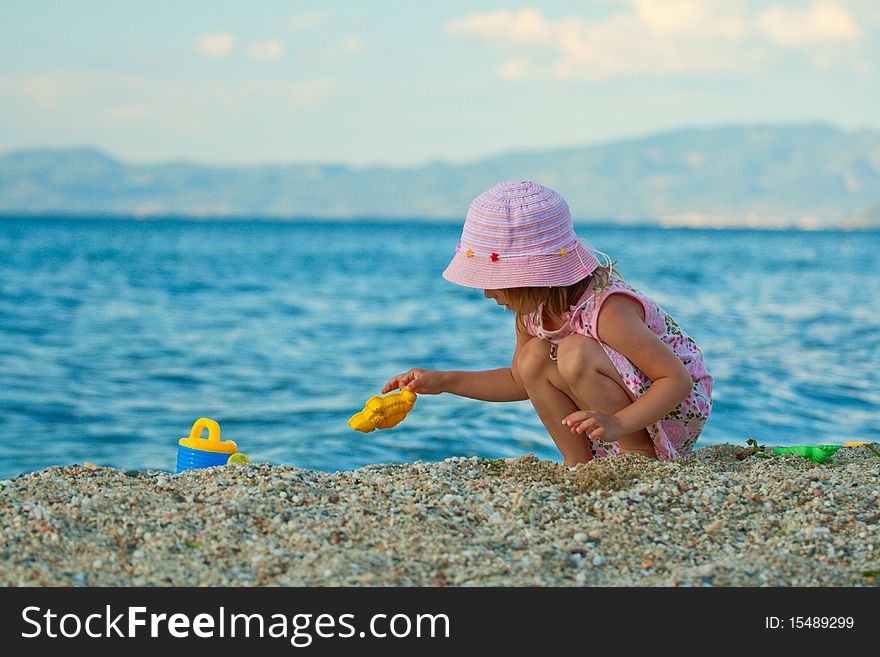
(771, 175)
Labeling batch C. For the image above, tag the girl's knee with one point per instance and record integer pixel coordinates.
(578, 356)
(533, 360)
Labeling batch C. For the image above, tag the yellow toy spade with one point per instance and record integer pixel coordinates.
(383, 412)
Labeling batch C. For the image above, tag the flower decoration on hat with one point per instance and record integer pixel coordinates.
(563, 252)
(469, 253)
(494, 257)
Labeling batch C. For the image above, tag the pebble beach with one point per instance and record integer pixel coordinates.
(723, 517)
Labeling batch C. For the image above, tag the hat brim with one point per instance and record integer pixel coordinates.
(479, 271)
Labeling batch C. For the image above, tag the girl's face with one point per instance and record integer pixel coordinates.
(501, 297)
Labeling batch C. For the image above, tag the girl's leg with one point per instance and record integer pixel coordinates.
(551, 397)
(596, 384)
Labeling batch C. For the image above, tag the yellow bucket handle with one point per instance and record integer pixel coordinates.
(213, 442)
(205, 423)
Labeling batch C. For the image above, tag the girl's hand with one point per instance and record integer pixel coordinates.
(419, 381)
(594, 424)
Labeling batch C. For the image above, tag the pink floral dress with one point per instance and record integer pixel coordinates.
(675, 434)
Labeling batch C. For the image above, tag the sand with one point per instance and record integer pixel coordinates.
(720, 518)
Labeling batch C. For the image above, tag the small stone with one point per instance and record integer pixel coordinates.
(713, 526)
(88, 465)
(580, 537)
(706, 570)
(598, 560)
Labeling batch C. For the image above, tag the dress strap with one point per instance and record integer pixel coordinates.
(585, 297)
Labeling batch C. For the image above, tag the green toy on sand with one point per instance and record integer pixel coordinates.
(817, 453)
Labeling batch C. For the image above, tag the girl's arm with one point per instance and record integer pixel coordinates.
(500, 385)
(487, 385)
(621, 325)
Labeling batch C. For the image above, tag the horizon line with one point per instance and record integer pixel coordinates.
(594, 222)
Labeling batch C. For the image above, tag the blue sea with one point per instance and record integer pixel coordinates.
(115, 336)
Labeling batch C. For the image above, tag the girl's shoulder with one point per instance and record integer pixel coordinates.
(617, 286)
(614, 285)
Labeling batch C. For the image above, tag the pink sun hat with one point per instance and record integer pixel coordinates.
(519, 234)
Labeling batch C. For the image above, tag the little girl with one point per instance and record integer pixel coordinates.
(606, 368)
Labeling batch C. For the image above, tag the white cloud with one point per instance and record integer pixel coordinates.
(351, 43)
(268, 50)
(655, 37)
(308, 21)
(497, 27)
(291, 95)
(345, 46)
(167, 102)
(689, 17)
(59, 90)
(128, 112)
(35, 90)
(215, 45)
(821, 22)
(669, 15)
(517, 68)
(652, 38)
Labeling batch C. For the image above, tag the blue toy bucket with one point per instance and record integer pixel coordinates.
(197, 452)
(188, 458)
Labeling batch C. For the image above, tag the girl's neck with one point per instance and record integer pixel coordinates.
(552, 322)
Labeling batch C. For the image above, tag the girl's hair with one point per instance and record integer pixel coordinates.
(558, 299)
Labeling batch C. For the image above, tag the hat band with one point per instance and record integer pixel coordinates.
(564, 251)
(471, 252)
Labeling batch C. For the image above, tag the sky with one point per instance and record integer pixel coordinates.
(405, 83)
